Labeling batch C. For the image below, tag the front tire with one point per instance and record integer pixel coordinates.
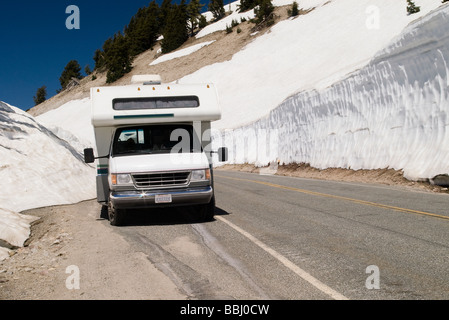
(115, 215)
(207, 211)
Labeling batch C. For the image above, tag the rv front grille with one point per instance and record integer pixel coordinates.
(164, 180)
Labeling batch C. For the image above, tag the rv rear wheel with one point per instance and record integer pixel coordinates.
(115, 215)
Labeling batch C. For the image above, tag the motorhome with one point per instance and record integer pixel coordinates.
(153, 146)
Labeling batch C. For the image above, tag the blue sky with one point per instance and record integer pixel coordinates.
(35, 44)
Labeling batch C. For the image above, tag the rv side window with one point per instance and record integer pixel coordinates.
(156, 103)
(155, 139)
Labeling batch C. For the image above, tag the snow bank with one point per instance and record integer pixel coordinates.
(14, 228)
(312, 51)
(72, 123)
(37, 169)
(181, 53)
(393, 113)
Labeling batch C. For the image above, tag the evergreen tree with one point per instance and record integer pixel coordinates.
(164, 11)
(117, 57)
(143, 29)
(71, 70)
(175, 33)
(203, 22)
(294, 11)
(139, 35)
(193, 15)
(134, 31)
(412, 8)
(99, 60)
(87, 70)
(41, 95)
(246, 5)
(264, 13)
(217, 9)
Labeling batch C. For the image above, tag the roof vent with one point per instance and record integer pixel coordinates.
(146, 79)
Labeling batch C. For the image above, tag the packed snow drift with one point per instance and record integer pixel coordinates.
(393, 113)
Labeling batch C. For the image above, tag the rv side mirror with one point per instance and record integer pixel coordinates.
(89, 155)
(223, 154)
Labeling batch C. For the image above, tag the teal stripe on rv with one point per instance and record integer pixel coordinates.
(102, 169)
(101, 172)
(141, 116)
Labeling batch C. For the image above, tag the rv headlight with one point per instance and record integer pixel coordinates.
(118, 179)
(200, 175)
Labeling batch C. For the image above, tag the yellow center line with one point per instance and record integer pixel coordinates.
(319, 194)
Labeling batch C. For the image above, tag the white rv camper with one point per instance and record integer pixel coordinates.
(153, 146)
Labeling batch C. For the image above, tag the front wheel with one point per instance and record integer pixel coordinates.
(207, 211)
(115, 215)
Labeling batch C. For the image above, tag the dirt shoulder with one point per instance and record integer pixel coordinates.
(73, 240)
(388, 177)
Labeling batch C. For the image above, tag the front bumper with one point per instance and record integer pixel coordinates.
(147, 199)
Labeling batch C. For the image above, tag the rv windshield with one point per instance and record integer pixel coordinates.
(154, 139)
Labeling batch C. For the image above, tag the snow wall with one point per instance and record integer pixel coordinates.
(37, 168)
(393, 113)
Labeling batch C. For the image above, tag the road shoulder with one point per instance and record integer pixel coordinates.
(70, 246)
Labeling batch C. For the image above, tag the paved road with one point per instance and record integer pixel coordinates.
(289, 238)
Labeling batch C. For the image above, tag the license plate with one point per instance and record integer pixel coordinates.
(163, 198)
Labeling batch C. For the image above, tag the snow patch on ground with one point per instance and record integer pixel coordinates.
(181, 53)
(14, 228)
(225, 22)
(233, 8)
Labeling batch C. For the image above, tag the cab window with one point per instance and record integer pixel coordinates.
(154, 139)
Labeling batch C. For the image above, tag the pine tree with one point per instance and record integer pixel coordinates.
(264, 13)
(71, 70)
(164, 11)
(412, 8)
(175, 33)
(87, 70)
(246, 5)
(139, 35)
(203, 22)
(193, 15)
(99, 60)
(294, 12)
(143, 29)
(217, 9)
(117, 57)
(41, 95)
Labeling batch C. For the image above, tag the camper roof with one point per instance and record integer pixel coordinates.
(153, 103)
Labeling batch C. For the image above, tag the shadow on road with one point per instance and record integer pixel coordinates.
(163, 216)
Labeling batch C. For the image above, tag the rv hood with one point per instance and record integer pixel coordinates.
(158, 163)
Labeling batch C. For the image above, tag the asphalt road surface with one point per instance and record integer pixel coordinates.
(289, 238)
